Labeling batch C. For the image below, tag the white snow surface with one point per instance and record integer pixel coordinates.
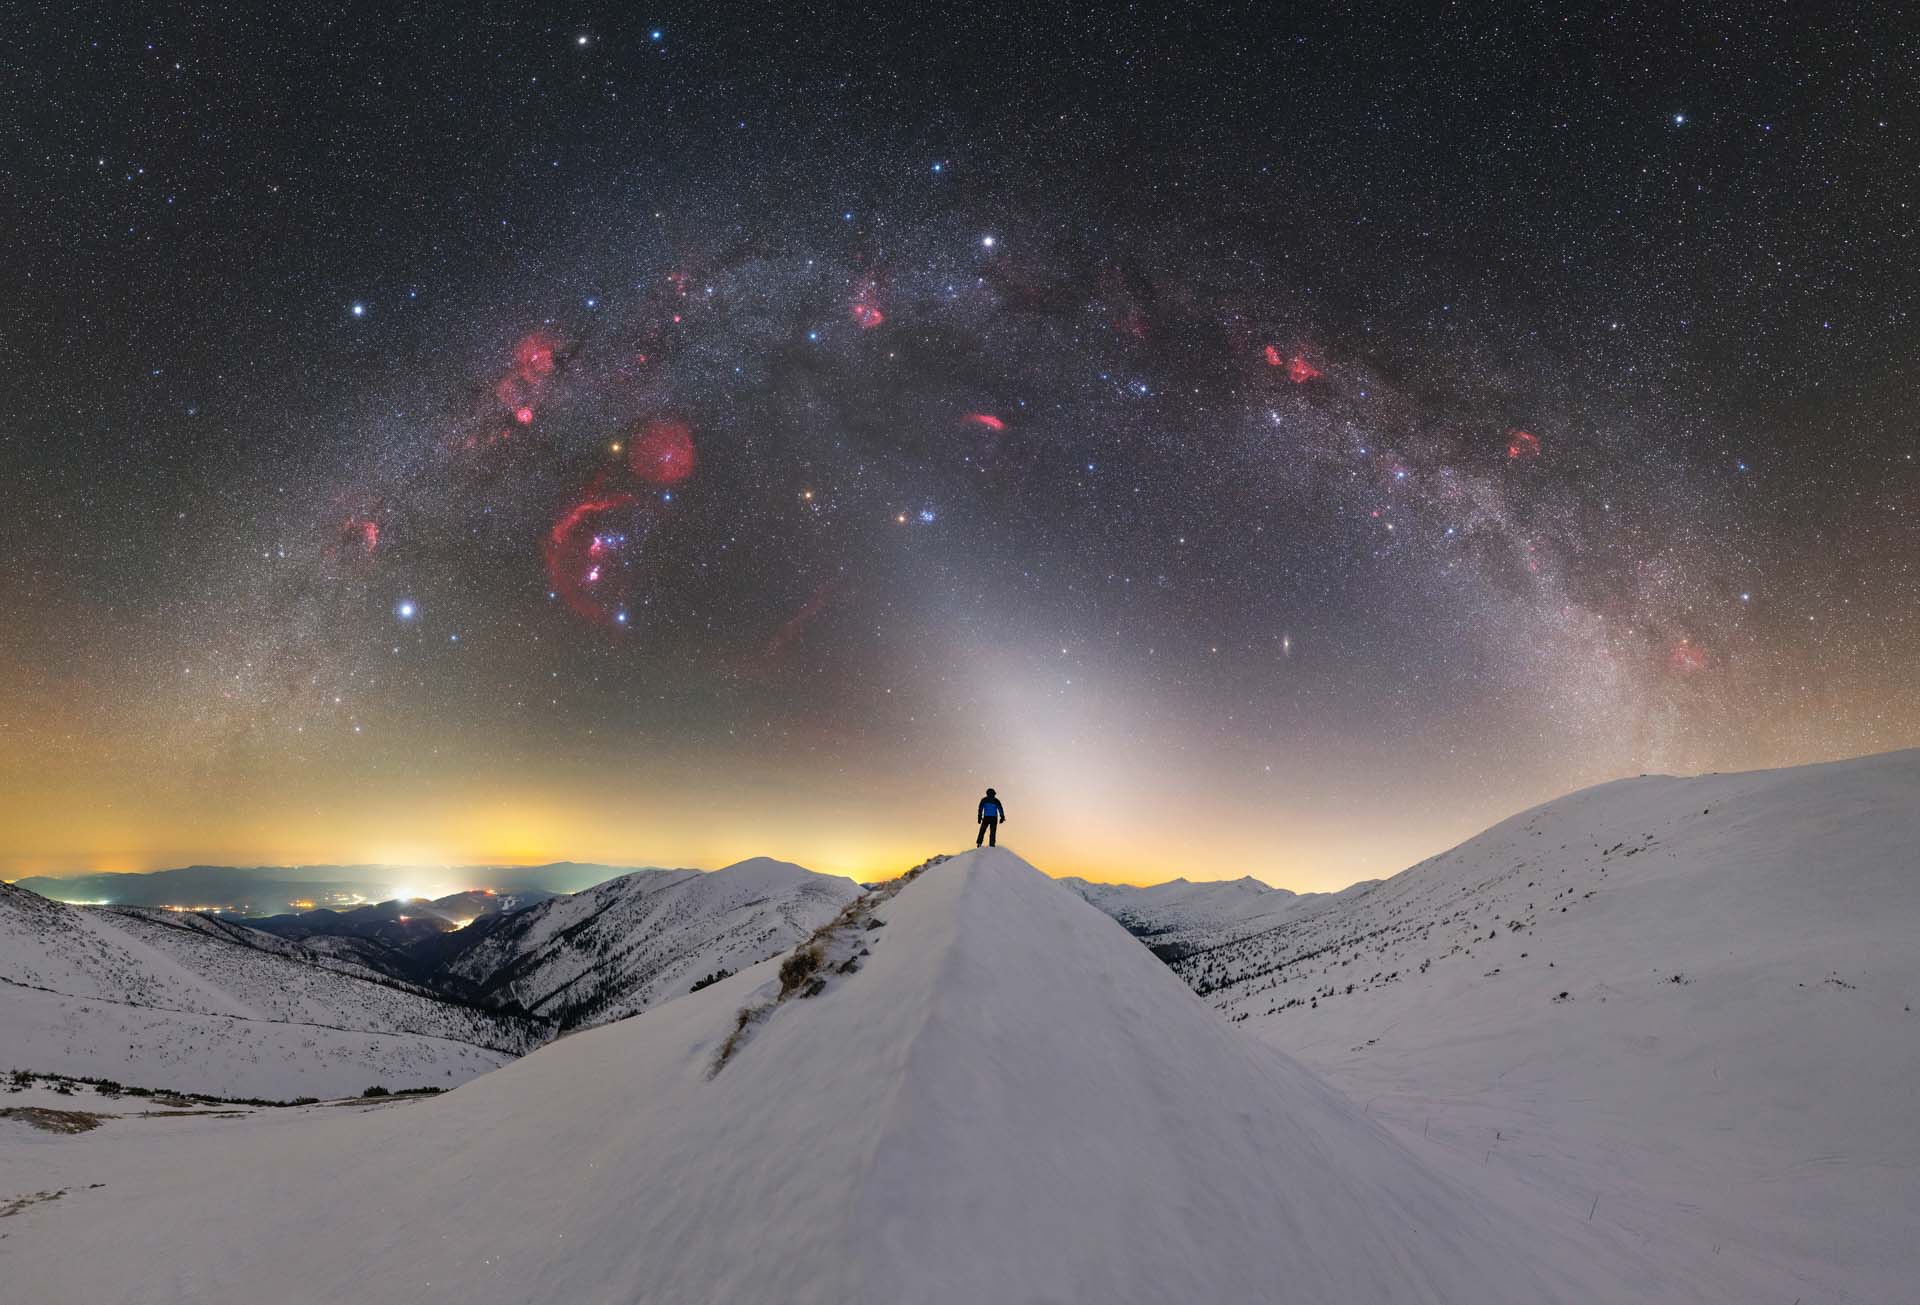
(1179, 915)
(618, 948)
(197, 1005)
(1009, 1101)
(1732, 1079)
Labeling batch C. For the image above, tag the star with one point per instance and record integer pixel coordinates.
(358, 310)
(405, 610)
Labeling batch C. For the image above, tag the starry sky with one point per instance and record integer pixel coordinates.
(1273, 441)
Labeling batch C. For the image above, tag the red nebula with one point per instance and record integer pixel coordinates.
(570, 543)
(1522, 445)
(1299, 370)
(662, 454)
(363, 533)
(533, 358)
(867, 315)
(986, 419)
(523, 415)
(1686, 658)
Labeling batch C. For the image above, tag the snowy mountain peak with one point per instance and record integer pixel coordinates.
(641, 939)
(992, 1094)
(766, 872)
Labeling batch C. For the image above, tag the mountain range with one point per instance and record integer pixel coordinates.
(969, 1087)
(326, 1003)
(263, 891)
(1653, 1040)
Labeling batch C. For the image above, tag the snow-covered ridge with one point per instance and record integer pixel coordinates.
(1177, 918)
(630, 943)
(1008, 1099)
(1685, 1004)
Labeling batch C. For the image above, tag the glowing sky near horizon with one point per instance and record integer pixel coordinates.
(1280, 450)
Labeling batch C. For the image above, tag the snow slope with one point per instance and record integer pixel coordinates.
(632, 942)
(1683, 1005)
(1178, 917)
(200, 1005)
(1005, 1100)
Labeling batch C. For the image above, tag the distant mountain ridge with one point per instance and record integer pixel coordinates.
(198, 1004)
(1178, 917)
(205, 1003)
(622, 946)
(274, 890)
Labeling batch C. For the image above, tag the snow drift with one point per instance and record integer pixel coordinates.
(996, 1095)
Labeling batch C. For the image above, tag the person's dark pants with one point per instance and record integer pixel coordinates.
(989, 830)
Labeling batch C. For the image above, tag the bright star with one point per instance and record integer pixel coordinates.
(655, 34)
(406, 609)
(359, 310)
(580, 39)
(1679, 119)
(986, 242)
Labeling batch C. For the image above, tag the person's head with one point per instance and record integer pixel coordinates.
(989, 792)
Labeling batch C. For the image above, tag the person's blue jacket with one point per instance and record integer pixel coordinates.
(990, 809)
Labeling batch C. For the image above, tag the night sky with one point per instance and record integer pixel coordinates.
(1268, 443)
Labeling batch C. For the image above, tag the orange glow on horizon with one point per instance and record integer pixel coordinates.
(1103, 782)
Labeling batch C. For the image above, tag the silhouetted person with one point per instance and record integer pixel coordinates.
(991, 814)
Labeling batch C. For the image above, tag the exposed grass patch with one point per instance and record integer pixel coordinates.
(798, 968)
(55, 1121)
(10, 1208)
(741, 1020)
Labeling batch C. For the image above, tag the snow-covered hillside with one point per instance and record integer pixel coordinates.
(632, 942)
(1178, 917)
(1685, 1005)
(200, 1005)
(993, 1095)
